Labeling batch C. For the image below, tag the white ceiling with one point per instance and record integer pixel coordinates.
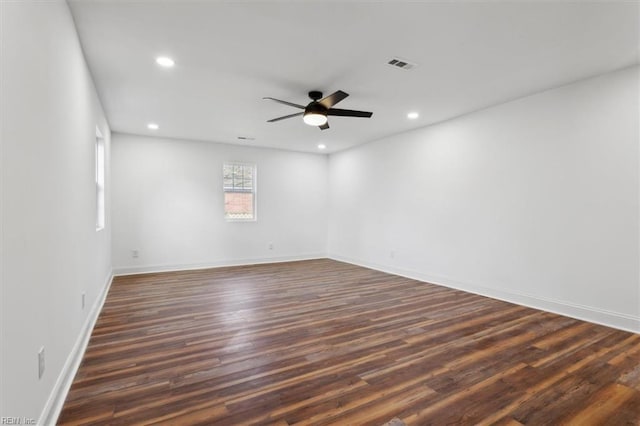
(229, 55)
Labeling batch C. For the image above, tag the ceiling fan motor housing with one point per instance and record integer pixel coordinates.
(315, 108)
(315, 114)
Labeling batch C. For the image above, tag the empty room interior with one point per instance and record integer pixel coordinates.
(325, 212)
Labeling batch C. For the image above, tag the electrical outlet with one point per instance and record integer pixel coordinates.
(135, 253)
(270, 246)
(84, 296)
(40, 363)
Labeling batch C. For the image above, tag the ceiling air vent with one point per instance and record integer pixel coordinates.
(401, 63)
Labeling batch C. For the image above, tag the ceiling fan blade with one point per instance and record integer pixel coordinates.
(325, 126)
(349, 113)
(286, 103)
(332, 99)
(286, 116)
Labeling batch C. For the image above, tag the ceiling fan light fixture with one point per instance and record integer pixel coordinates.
(313, 118)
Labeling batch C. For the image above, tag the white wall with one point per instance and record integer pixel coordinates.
(533, 201)
(168, 205)
(51, 252)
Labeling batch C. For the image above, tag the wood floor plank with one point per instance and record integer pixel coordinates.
(603, 407)
(324, 342)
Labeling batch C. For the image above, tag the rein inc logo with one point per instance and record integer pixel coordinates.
(17, 421)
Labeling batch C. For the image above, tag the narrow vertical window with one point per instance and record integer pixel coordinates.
(99, 157)
(239, 185)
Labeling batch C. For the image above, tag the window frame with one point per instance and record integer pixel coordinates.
(100, 163)
(254, 191)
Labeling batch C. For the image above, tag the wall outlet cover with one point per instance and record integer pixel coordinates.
(40, 363)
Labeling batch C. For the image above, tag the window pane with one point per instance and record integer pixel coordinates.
(238, 205)
(100, 195)
(239, 191)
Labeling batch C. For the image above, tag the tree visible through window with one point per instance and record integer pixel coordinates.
(239, 184)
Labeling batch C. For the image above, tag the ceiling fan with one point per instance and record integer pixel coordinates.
(316, 112)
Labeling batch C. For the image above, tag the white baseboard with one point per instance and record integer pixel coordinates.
(53, 407)
(586, 313)
(146, 269)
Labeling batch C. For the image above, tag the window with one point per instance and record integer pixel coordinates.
(99, 157)
(239, 184)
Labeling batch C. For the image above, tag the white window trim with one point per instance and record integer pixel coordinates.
(100, 154)
(254, 192)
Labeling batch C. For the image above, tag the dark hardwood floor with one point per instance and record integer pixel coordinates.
(323, 342)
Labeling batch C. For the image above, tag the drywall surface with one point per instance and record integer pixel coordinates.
(51, 251)
(168, 205)
(534, 201)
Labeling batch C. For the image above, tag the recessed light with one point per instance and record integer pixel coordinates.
(413, 115)
(165, 61)
(152, 126)
(321, 146)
